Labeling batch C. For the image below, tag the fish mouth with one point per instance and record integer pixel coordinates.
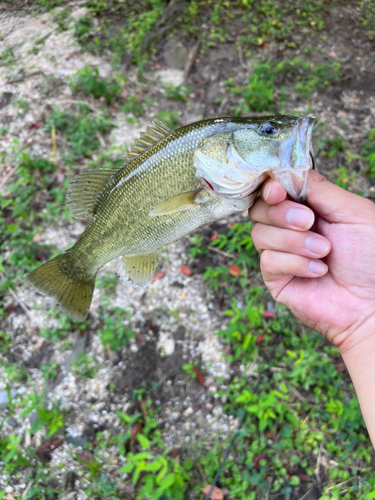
(296, 158)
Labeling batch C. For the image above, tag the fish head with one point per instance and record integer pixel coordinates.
(235, 164)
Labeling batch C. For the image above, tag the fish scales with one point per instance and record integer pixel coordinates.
(160, 173)
(195, 175)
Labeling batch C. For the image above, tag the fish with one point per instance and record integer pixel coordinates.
(171, 183)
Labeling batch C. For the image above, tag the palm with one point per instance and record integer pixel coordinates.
(345, 296)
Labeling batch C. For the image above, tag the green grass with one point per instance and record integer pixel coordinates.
(80, 129)
(271, 83)
(114, 334)
(88, 82)
(368, 151)
(368, 16)
(298, 410)
(21, 207)
(135, 39)
(85, 367)
(130, 38)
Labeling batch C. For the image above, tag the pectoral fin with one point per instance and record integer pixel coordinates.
(138, 270)
(175, 204)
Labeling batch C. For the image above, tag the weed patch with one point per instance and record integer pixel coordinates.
(271, 82)
(88, 82)
(80, 129)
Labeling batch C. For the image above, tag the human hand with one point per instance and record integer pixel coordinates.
(320, 266)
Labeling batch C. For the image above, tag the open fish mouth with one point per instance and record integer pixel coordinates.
(296, 158)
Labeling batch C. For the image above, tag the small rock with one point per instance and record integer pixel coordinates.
(82, 12)
(12, 422)
(4, 397)
(175, 54)
(188, 411)
(173, 76)
(168, 346)
(77, 441)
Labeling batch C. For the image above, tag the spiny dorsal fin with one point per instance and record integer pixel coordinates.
(84, 190)
(153, 135)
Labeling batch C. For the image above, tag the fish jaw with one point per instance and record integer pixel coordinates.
(296, 159)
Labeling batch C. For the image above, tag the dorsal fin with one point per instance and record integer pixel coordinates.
(84, 190)
(153, 135)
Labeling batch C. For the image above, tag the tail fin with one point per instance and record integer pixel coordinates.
(74, 296)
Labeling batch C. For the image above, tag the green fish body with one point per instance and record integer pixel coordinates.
(172, 183)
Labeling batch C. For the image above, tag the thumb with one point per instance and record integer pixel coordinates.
(333, 203)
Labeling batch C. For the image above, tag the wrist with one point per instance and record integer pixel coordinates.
(358, 340)
(359, 357)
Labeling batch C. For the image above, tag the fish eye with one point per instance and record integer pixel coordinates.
(269, 128)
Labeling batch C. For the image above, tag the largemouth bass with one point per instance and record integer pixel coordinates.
(172, 183)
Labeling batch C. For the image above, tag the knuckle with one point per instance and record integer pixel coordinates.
(255, 233)
(266, 260)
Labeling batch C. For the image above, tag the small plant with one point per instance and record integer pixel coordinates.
(155, 474)
(334, 146)
(88, 82)
(50, 370)
(197, 248)
(85, 366)
(261, 89)
(81, 130)
(191, 369)
(5, 342)
(22, 106)
(7, 57)
(170, 118)
(133, 104)
(65, 325)
(179, 93)
(368, 150)
(343, 178)
(115, 334)
(258, 94)
(12, 454)
(52, 419)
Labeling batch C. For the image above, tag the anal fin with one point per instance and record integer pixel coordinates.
(137, 270)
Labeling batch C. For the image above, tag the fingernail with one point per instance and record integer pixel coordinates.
(300, 217)
(318, 267)
(317, 245)
(267, 191)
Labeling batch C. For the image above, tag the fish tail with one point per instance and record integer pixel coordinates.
(52, 279)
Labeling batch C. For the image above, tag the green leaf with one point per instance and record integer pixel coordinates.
(167, 481)
(124, 417)
(152, 466)
(371, 494)
(143, 441)
(295, 481)
(136, 476)
(247, 340)
(127, 468)
(144, 455)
